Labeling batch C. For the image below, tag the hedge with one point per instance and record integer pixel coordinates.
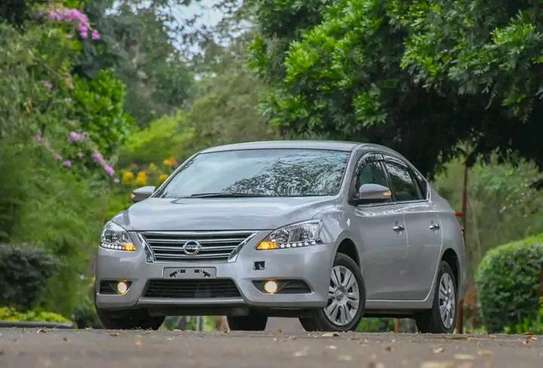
(509, 282)
(24, 272)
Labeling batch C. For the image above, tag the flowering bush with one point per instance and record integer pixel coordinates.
(78, 18)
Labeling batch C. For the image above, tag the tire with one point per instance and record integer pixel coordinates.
(431, 321)
(252, 322)
(321, 320)
(129, 319)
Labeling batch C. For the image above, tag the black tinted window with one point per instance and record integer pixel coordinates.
(402, 183)
(261, 172)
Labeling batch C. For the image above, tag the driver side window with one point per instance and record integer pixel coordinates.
(371, 172)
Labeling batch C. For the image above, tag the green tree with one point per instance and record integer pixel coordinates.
(138, 44)
(416, 75)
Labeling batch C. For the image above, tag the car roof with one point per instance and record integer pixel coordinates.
(302, 144)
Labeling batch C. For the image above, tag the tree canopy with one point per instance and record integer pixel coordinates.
(424, 77)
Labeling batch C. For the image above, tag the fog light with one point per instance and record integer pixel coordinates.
(122, 287)
(270, 287)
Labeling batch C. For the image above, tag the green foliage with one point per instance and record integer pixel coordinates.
(10, 314)
(99, 108)
(56, 210)
(376, 325)
(533, 325)
(24, 272)
(419, 76)
(163, 138)
(503, 203)
(509, 281)
(140, 50)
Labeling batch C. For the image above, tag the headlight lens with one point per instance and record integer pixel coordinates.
(116, 238)
(302, 234)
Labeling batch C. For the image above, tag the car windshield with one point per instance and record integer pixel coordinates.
(260, 173)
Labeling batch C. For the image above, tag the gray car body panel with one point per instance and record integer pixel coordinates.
(399, 269)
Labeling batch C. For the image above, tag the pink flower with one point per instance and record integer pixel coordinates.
(75, 137)
(67, 163)
(77, 17)
(109, 170)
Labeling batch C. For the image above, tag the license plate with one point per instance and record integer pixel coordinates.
(190, 272)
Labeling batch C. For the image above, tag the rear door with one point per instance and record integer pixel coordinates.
(382, 237)
(422, 228)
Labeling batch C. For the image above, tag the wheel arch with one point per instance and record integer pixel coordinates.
(348, 247)
(451, 257)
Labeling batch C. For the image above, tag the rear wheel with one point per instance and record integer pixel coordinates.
(442, 317)
(346, 299)
(252, 322)
(129, 319)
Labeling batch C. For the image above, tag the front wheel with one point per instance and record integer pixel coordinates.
(442, 317)
(129, 319)
(346, 299)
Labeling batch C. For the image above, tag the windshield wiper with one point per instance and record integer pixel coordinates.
(226, 195)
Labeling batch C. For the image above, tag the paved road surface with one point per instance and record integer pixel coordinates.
(129, 349)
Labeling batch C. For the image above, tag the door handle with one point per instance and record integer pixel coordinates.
(398, 228)
(434, 226)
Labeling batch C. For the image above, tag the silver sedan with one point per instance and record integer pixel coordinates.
(326, 232)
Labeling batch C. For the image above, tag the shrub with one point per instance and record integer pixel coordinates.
(509, 283)
(10, 314)
(23, 275)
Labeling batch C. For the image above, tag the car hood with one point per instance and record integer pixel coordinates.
(220, 213)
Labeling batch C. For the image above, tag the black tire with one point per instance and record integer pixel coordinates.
(129, 319)
(317, 320)
(252, 322)
(430, 321)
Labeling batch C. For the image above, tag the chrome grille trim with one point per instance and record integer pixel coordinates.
(167, 246)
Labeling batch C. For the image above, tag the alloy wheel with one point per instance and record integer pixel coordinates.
(343, 296)
(447, 300)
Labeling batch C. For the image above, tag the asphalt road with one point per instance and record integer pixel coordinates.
(23, 348)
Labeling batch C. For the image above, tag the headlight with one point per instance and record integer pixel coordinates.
(302, 234)
(116, 238)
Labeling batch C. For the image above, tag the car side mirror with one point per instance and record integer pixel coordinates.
(142, 193)
(372, 193)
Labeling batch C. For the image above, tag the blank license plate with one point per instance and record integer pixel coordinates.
(190, 272)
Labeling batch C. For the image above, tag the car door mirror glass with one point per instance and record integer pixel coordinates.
(142, 193)
(373, 193)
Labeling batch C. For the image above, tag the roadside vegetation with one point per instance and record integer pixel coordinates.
(98, 97)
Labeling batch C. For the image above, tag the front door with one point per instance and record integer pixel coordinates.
(382, 238)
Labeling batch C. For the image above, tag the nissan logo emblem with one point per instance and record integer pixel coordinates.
(192, 247)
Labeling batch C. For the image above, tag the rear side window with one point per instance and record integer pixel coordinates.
(402, 183)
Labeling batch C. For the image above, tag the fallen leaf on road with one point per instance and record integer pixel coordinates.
(388, 348)
(439, 350)
(332, 347)
(376, 365)
(113, 334)
(65, 338)
(301, 353)
(431, 364)
(139, 343)
(330, 334)
(485, 353)
(530, 339)
(463, 357)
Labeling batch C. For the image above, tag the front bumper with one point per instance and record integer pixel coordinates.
(310, 264)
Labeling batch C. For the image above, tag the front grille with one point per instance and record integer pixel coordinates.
(213, 245)
(216, 288)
